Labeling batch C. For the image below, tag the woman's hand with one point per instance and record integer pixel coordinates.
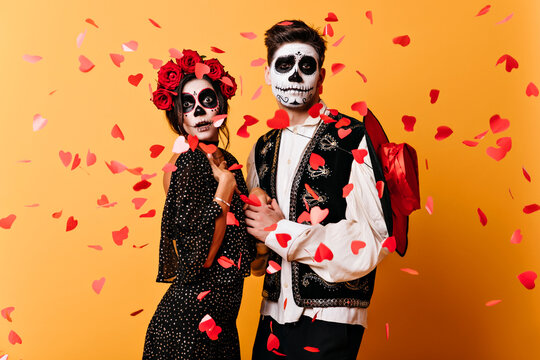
(220, 172)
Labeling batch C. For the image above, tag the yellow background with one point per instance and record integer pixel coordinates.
(46, 273)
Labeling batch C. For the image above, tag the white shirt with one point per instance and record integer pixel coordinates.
(363, 221)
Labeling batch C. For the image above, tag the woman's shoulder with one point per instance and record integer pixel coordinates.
(189, 158)
(230, 157)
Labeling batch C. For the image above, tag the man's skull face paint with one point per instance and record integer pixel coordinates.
(199, 105)
(294, 74)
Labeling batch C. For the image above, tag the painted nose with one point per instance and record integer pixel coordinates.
(295, 77)
(199, 111)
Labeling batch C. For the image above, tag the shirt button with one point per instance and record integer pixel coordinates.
(285, 285)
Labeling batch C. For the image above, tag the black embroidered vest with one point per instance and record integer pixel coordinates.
(327, 182)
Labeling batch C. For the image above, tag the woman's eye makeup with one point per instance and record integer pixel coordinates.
(188, 102)
(208, 98)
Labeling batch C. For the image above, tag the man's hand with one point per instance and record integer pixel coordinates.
(260, 217)
(261, 195)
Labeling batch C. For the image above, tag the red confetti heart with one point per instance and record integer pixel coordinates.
(279, 121)
(271, 227)
(429, 205)
(135, 313)
(380, 188)
(516, 237)
(364, 78)
(496, 153)
(316, 161)
(342, 133)
(498, 124)
(120, 235)
(156, 63)
(97, 285)
(470, 143)
(272, 342)
(141, 185)
(482, 217)
(135, 79)
(511, 63)
(403, 40)
(532, 90)
(526, 174)
(65, 157)
(57, 214)
(493, 302)
(138, 202)
(258, 62)
(201, 69)
(231, 219)
(273, 267)
(116, 132)
(328, 30)
(6, 313)
(336, 44)
(356, 245)
(337, 67)
(327, 119)
(369, 15)
(154, 23)
(76, 162)
(360, 107)
(285, 23)
(85, 64)
(202, 295)
(103, 200)
(505, 143)
(347, 190)
(283, 239)
(359, 155)
(193, 141)
(315, 110)
(96, 247)
(71, 223)
(216, 50)
(248, 35)
(116, 167)
(311, 349)
(481, 136)
(214, 332)
(130, 46)
(155, 150)
(443, 132)
(408, 122)
(304, 217)
(14, 338)
(331, 17)
(390, 244)
(91, 22)
(529, 209)
(409, 271)
(323, 253)
(343, 122)
(209, 149)
(225, 262)
(527, 279)
(117, 59)
(484, 10)
(434, 95)
(387, 328)
(90, 158)
(257, 93)
(206, 323)
(250, 200)
(149, 214)
(5, 223)
(317, 214)
(235, 167)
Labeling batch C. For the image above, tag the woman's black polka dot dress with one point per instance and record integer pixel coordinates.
(189, 217)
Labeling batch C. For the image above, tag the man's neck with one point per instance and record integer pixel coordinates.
(297, 116)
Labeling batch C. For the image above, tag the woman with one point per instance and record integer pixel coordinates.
(205, 259)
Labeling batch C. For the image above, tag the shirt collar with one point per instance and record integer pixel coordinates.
(314, 121)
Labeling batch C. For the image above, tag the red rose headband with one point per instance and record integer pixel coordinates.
(170, 74)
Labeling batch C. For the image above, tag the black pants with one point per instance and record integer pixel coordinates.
(332, 340)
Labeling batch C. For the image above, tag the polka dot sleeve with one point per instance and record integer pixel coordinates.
(189, 218)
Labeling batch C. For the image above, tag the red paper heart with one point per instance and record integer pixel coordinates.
(225, 262)
(343, 122)
(117, 59)
(248, 35)
(369, 15)
(235, 167)
(311, 349)
(327, 119)
(317, 214)
(148, 214)
(498, 124)
(116, 132)
(482, 217)
(193, 141)
(65, 157)
(90, 158)
(155, 150)
(141, 185)
(5, 223)
(272, 342)
(529, 209)
(14, 338)
(103, 200)
(201, 69)
(402, 40)
(85, 64)
(331, 17)
(138, 202)
(279, 121)
(470, 143)
(360, 107)
(359, 155)
(315, 161)
(304, 217)
(283, 239)
(271, 227)
(527, 279)
(231, 219)
(323, 253)
(484, 10)
(409, 122)
(97, 285)
(390, 244)
(135, 313)
(511, 63)
(433, 95)
(315, 110)
(443, 132)
(380, 188)
(202, 295)
(57, 214)
(343, 132)
(214, 332)
(76, 162)
(531, 90)
(516, 237)
(356, 245)
(273, 267)
(216, 50)
(71, 223)
(328, 30)
(337, 67)
(156, 63)
(429, 205)
(6, 313)
(135, 79)
(347, 190)
(209, 149)
(120, 235)
(364, 78)
(526, 174)
(206, 323)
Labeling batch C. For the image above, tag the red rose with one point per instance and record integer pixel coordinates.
(226, 89)
(163, 99)
(188, 60)
(216, 69)
(169, 75)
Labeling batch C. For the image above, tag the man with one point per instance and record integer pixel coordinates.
(322, 221)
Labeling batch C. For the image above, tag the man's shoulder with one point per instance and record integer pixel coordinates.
(267, 136)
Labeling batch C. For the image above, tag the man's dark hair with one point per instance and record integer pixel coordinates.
(293, 31)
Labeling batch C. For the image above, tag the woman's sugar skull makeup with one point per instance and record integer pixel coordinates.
(199, 105)
(294, 74)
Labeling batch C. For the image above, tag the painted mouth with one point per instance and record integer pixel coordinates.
(292, 89)
(203, 123)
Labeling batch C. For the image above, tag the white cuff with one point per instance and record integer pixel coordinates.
(288, 227)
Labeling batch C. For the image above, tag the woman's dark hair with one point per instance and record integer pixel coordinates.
(294, 31)
(175, 115)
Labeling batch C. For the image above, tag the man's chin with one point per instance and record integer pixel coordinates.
(295, 105)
